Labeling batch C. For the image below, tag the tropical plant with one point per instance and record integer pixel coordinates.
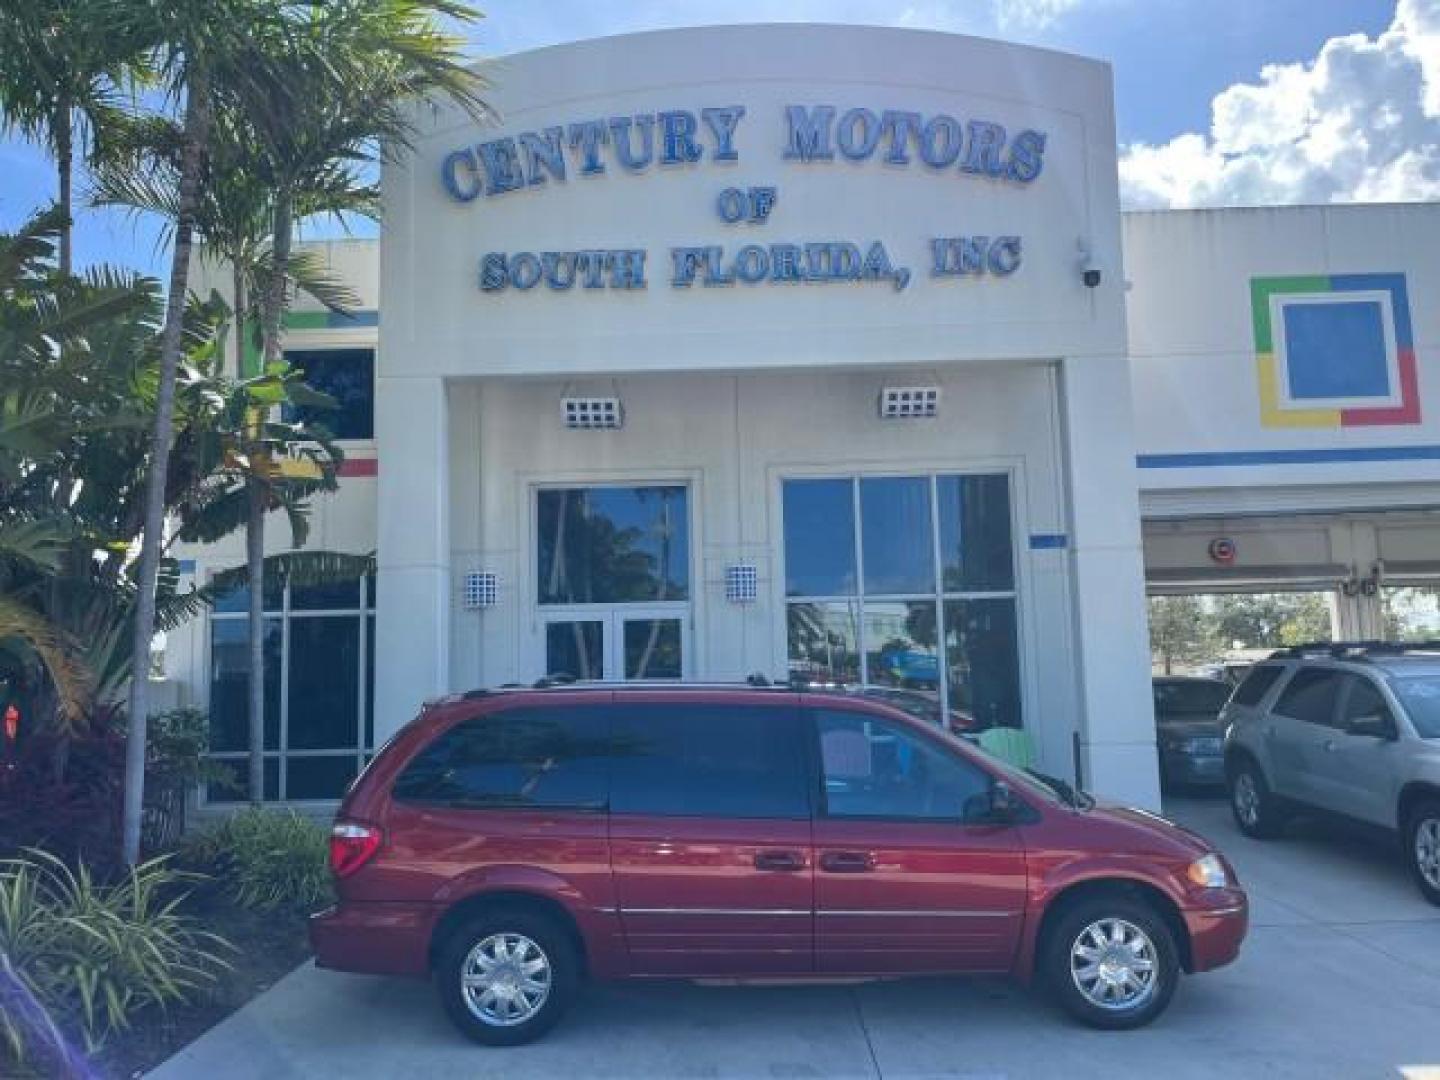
(84, 957)
(62, 82)
(264, 859)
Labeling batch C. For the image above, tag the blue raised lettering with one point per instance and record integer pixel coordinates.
(591, 265)
(730, 205)
(620, 128)
(678, 138)
(493, 274)
(899, 126)
(559, 268)
(784, 262)
(1026, 156)
(525, 270)
(752, 264)
(1004, 257)
(450, 174)
(809, 133)
(627, 269)
(685, 261)
(857, 134)
(722, 123)
(543, 149)
(983, 154)
(940, 141)
(502, 166)
(588, 136)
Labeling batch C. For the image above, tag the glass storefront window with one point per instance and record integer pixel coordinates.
(930, 563)
(613, 545)
(319, 683)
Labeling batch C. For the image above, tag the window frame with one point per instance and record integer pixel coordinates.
(336, 346)
(1019, 594)
(364, 749)
(820, 803)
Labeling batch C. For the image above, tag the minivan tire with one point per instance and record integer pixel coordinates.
(1256, 809)
(1065, 978)
(531, 949)
(1424, 815)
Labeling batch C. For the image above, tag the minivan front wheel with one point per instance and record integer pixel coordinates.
(506, 977)
(1112, 963)
(1256, 810)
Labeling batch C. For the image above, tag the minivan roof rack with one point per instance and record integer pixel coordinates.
(1354, 650)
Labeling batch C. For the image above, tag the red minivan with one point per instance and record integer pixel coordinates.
(513, 843)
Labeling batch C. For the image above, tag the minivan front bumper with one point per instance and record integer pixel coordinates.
(1217, 926)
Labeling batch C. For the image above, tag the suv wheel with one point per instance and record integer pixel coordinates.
(1257, 811)
(1422, 843)
(1112, 963)
(507, 976)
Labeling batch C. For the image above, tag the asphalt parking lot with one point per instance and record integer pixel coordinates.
(1340, 977)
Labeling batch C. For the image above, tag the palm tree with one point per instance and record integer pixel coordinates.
(61, 82)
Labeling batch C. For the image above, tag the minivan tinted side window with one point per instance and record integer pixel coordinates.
(1257, 684)
(876, 768)
(1310, 696)
(708, 760)
(541, 758)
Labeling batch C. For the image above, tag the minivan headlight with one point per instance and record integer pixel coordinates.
(1208, 872)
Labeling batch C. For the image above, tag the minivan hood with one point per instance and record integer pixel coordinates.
(1160, 831)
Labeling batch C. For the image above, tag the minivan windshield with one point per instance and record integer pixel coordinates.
(1026, 779)
(1420, 694)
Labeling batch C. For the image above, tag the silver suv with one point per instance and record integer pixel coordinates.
(1352, 730)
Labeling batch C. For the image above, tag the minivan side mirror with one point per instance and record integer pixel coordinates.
(1376, 725)
(1003, 804)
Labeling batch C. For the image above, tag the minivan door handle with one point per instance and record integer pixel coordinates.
(779, 860)
(847, 862)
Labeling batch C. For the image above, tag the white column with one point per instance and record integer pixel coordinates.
(1116, 714)
(412, 633)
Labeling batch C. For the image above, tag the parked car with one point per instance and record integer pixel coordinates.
(514, 843)
(1349, 730)
(1188, 731)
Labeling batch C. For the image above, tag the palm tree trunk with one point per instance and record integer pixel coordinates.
(197, 131)
(64, 162)
(272, 306)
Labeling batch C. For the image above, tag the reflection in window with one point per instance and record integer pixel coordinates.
(611, 545)
(824, 641)
(319, 680)
(935, 608)
(575, 649)
(652, 649)
(348, 376)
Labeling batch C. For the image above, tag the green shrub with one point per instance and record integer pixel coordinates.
(83, 958)
(264, 859)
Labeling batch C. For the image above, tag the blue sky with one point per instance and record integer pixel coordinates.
(1217, 101)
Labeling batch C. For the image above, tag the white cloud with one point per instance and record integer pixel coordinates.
(1359, 123)
(1031, 14)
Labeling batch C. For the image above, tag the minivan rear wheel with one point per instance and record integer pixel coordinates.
(1112, 963)
(1256, 810)
(507, 976)
(1422, 843)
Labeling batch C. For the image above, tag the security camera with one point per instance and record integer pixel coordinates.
(1091, 276)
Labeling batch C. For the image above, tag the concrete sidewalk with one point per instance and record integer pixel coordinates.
(1340, 978)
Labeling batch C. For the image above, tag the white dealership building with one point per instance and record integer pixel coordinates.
(826, 352)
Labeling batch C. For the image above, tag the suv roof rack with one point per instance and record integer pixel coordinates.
(1354, 650)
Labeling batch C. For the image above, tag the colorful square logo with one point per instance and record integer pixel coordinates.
(1334, 350)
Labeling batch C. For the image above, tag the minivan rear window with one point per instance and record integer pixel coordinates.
(712, 760)
(1256, 684)
(542, 758)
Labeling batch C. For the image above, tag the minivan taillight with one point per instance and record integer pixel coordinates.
(351, 847)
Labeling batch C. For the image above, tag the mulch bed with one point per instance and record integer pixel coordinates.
(269, 945)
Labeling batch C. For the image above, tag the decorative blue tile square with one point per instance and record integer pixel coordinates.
(1336, 350)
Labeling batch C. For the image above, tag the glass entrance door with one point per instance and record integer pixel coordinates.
(623, 643)
(613, 581)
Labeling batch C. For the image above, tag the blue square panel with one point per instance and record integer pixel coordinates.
(1336, 350)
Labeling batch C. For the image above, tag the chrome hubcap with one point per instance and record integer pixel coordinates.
(505, 979)
(1113, 964)
(1427, 850)
(1247, 799)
